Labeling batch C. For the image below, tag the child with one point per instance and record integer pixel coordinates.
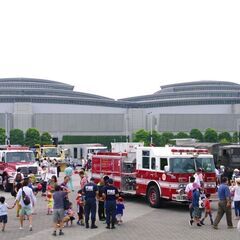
(80, 204)
(49, 200)
(69, 215)
(119, 212)
(195, 205)
(3, 212)
(208, 210)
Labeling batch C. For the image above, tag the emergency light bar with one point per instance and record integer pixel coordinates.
(191, 151)
(17, 148)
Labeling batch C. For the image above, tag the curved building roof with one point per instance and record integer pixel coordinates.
(46, 91)
(190, 93)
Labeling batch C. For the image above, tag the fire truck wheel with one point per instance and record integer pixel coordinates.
(6, 185)
(153, 196)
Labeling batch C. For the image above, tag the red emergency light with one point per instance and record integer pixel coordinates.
(198, 151)
(17, 148)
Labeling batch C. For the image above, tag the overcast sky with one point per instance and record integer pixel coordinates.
(121, 48)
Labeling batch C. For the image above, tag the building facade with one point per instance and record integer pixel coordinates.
(56, 108)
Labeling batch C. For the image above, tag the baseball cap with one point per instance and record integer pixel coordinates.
(110, 181)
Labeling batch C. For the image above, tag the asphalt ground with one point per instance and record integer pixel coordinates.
(140, 223)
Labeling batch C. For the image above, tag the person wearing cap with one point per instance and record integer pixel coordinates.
(110, 194)
(236, 197)
(90, 191)
(236, 174)
(224, 204)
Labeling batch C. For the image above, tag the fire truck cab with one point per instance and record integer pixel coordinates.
(156, 172)
(12, 158)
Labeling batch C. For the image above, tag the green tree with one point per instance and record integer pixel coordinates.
(235, 137)
(156, 138)
(141, 136)
(46, 138)
(2, 136)
(182, 135)
(226, 136)
(196, 133)
(16, 136)
(166, 138)
(32, 137)
(210, 135)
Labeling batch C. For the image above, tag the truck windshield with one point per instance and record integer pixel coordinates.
(182, 165)
(50, 152)
(207, 164)
(20, 157)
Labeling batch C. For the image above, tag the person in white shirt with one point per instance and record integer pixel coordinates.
(236, 197)
(3, 212)
(45, 163)
(188, 190)
(199, 177)
(44, 176)
(26, 209)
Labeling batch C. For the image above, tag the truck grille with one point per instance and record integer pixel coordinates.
(25, 170)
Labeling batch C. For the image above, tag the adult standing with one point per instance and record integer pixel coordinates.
(64, 184)
(69, 172)
(189, 192)
(236, 198)
(199, 177)
(110, 194)
(101, 210)
(83, 179)
(57, 165)
(53, 183)
(90, 191)
(58, 209)
(26, 208)
(44, 176)
(236, 174)
(224, 204)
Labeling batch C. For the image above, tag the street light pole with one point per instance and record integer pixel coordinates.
(151, 127)
(151, 130)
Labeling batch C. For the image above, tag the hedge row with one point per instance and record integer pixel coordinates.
(105, 140)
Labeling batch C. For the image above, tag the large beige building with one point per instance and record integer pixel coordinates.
(55, 107)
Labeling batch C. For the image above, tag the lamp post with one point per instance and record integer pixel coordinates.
(151, 128)
(238, 130)
(126, 127)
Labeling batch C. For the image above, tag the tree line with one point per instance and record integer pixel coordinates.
(31, 137)
(209, 135)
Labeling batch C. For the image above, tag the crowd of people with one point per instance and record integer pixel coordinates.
(91, 198)
(228, 191)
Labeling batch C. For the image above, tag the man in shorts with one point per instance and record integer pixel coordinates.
(26, 209)
(58, 209)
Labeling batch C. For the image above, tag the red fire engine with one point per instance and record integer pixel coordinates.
(12, 158)
(155, 172)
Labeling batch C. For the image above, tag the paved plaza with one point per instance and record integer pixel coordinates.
(140, 223)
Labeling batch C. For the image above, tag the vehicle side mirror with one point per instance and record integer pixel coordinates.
(166, 168)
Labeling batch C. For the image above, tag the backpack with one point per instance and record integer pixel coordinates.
(26, 199)
(201, 203)
(190, 195)
(18, 177)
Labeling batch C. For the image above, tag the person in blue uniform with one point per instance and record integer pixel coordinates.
(110, 194)
(90, 191)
